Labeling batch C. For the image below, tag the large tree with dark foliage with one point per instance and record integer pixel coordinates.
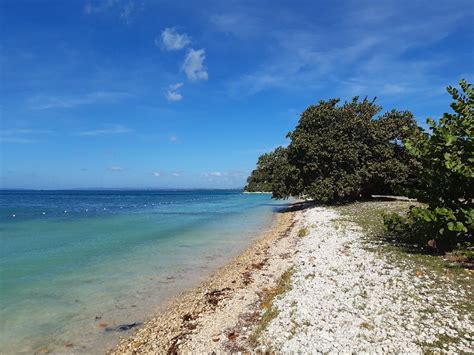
(343, 152)
(271, 172)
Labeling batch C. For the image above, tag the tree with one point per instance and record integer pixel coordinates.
(446, 178)
(267, 175)
(344, 152)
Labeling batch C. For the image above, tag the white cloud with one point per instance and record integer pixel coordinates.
(24, 131)
(99, 6)
(176, 86)
(232, 178)
(116, 168)
(173, 139)
(116, 129)
(365, 51)
(175, 174)
(238, 24)
(394, 89)
(172, 94)
(126, 9)
(17, 140)
(214, 174)
(172, 40)
(20, 136)
(193, 65)
(42, 102)
(156, 174)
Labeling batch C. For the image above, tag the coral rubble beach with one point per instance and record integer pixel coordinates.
(316, 283)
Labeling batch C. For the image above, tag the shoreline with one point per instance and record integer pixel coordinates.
(242, 277)
(319, 282)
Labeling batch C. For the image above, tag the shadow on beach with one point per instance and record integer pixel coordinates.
(295, 206)
(305, 204)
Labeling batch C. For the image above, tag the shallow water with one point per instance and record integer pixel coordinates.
(73, 261)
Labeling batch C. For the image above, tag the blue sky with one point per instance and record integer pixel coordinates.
(122, 93)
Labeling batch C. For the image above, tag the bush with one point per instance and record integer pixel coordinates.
(446, 179)
(441, 228)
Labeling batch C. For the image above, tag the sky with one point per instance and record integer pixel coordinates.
(188, 94)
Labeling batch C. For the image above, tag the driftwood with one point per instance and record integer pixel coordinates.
(393, 198)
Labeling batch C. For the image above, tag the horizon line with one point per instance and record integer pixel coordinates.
(121, 189)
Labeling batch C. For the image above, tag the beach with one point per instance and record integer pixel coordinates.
(79, 269)
(317, 283)
(221, 271)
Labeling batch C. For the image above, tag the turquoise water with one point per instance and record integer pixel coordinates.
(72, 261)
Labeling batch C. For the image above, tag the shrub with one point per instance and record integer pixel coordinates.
(446, 179)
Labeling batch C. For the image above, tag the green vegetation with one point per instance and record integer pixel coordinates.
(268, 171)
(340, 152)
(367, 326)
(446, 179)
(446, 270)
(347, 152)
(302, 232)
(283, 285)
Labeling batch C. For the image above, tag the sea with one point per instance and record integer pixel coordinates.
(75, 265)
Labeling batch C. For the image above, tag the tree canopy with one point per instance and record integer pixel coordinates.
(340, 152)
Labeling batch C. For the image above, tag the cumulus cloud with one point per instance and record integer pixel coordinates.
(156, 174)
(215, 173)
(172, 94)
(116, 168)
(172, 40)
(175, 174)
(193, 65)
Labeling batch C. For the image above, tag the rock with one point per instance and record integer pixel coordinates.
(232, 335)
(122, 327)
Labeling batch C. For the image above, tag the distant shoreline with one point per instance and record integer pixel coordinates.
(118, 189)
(257, 192)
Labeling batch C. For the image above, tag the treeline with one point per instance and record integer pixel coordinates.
(344, 152)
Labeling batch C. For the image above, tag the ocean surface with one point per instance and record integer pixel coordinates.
(74, 264)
